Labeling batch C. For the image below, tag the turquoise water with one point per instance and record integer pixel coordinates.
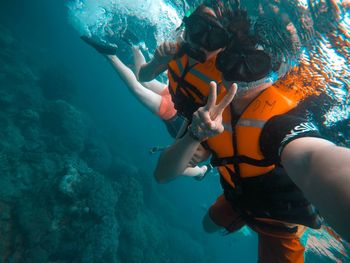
(322, 29)
(76, 180)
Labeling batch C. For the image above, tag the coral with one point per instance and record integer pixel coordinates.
(67, 193)
(90, 202)
(97, 154)
(11, 139)
(67, 125)
(142, 240)
(69, 182)
(130, 201)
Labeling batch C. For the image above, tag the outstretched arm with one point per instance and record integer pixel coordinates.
(322, 171)
(174, 160)
(148, 98)
(139, 60)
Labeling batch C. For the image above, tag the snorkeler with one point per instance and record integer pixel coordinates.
(153, 95)
(191, 61)
(278, 173)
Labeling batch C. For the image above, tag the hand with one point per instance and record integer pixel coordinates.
(207, 120)
(166, 51)
(200, 155)
(196, 172)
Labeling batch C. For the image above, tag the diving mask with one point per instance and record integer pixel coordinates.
(243, 65)
(205, 31)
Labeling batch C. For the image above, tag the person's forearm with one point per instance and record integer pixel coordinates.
(123, 71)
(151, 70)
(206, 122)
(328, 185)
(139, 60)
(174, 159)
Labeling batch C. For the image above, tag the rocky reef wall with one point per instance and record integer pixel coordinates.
(66, 193)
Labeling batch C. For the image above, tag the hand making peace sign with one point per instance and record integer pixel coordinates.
(207, 120)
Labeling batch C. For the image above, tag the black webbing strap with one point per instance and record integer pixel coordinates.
(281, 228)
(183, 84)
(232, 196)
(237, 180)
(184, 101)
(241, 159)
(234, 146)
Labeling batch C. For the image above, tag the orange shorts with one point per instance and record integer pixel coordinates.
(273, 247)
(166, 107)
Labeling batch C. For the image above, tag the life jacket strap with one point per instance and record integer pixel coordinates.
(268, 197)
(184, 101)
(281, 228)
(185, 85)
(237, 180)
(248, 218)
(217, 161)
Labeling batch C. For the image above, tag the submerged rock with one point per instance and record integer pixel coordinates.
(66, 127)
(65, 197)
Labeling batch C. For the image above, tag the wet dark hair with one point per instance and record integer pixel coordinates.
(238, 25)
(201, 9)
(241, 60)
(204, 29)
(233, 18)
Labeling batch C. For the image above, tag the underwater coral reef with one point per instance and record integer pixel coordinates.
(67, 194)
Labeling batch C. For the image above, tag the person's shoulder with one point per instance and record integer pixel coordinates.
(282, 129)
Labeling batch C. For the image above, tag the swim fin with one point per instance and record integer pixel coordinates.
(103, 48)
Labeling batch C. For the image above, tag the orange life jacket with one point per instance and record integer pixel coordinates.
(189, 85)
(247, 130)
(257, 187)
(253, 184)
